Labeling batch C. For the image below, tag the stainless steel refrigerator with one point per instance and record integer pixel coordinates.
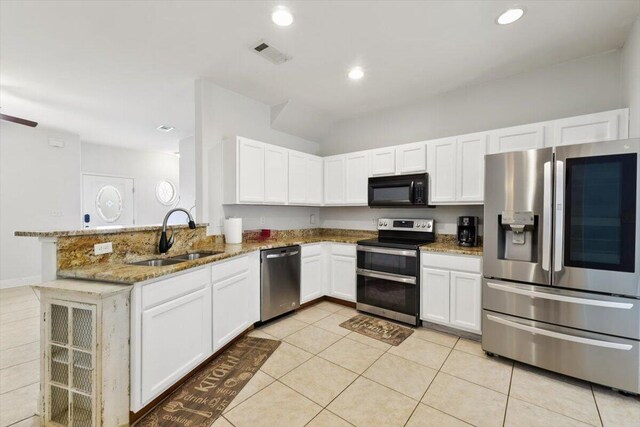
(561, 287)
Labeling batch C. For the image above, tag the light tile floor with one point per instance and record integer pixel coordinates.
(325, 376)
(19, 361)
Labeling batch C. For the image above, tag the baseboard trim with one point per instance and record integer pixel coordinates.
(20, 281)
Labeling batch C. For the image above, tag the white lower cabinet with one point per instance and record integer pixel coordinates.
(311, 273)
(449, 296)
(176, 337)
(342, 268)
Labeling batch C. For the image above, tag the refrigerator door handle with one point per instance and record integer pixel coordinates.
(559, 217)
(546, 217)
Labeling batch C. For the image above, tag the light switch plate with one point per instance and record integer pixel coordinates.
(103, 248)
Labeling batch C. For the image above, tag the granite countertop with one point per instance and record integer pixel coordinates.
(101, 289)
(448, 244)
(94, 231)
(129, 274)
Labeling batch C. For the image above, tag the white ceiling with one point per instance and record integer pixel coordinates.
(113, 71)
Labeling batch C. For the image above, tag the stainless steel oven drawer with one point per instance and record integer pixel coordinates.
(592, 312)
(602, 359)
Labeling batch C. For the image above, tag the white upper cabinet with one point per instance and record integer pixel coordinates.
(605, 126)
(383, 161)
(411, 158)
(334, 174)
(275, 174)
(357, 177)
(470, 168)
(519, 138)
(305, 179)
(250, 168)
(442, 170)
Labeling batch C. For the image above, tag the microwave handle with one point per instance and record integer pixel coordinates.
(412, 196)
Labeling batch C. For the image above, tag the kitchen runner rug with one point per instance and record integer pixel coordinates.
(201, 400)
(378, 329)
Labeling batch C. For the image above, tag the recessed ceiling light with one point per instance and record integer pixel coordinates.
(356, 73)
(282, 17)
(164, 128)
(510, 16)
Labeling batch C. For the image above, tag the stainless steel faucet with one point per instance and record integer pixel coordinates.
(165, 244)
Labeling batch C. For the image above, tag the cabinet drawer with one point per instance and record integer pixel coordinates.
(169, 289)
(472, 264)
(345, 249)
(229, 268)
(311, 250)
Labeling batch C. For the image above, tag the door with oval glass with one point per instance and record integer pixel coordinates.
(107, 201)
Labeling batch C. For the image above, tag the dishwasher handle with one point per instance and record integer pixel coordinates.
(282, 255)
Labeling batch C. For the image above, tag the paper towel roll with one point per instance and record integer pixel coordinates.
(233, 230)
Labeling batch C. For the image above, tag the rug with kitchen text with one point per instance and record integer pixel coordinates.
(378, 329)
(203, 398)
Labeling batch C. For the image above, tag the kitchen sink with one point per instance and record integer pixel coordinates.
(158, 262)
(195, 255)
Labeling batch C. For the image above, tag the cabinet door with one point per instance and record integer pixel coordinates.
(435, 295)
(231, 308)
(442, 170)
(334, 185)
(176, 336)
(383, 161)
(470, 168)
(343, 277)
(465, 301)
(310, 278)
(275, 174)
(605, 126)
(297, 178)
(250, 171)
(314, 180)
(518, 138)
(357, 176)
(411, 158)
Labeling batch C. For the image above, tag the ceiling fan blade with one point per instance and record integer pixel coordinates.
(18, 120)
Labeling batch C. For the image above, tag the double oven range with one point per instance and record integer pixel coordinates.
(388, 269)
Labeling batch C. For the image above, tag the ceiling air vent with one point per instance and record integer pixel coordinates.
(271, 54)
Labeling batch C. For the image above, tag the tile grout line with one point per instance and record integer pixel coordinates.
(593, 393)
(506, 407)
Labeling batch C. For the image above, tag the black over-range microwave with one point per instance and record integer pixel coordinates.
(399, 191)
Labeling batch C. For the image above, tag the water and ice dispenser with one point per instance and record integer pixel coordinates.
(517, 236)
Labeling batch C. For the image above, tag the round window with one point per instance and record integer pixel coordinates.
(166, 192)
(109, 203)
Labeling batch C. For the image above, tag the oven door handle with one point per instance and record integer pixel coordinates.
(386, 276)
(386, 251)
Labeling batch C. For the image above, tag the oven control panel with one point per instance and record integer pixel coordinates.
(426, 225)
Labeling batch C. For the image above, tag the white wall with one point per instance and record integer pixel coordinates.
(147, 168)
(39, 190)
(188, 172)
(222, 114)
(631, 78)
(582, 86)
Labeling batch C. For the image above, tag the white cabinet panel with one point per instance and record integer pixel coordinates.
(435, 295)
(250, 171)
(276, 175)
(231, 308)
(297, 178)
(176, 336)
(310, 278)
(518, 138)
(411, 158)
(383, 161)
(466, 302)
(342, 283)
(356, 178)
(442, 170)
(605, 126)
(314, 180)
(470, 168)
(334, 184)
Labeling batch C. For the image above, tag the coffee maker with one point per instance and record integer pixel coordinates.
(467, 231)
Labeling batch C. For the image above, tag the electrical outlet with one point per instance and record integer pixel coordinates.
(312, 219)
(103, 248)
(262, 220)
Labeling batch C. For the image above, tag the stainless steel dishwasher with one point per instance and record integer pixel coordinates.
(280, 281)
